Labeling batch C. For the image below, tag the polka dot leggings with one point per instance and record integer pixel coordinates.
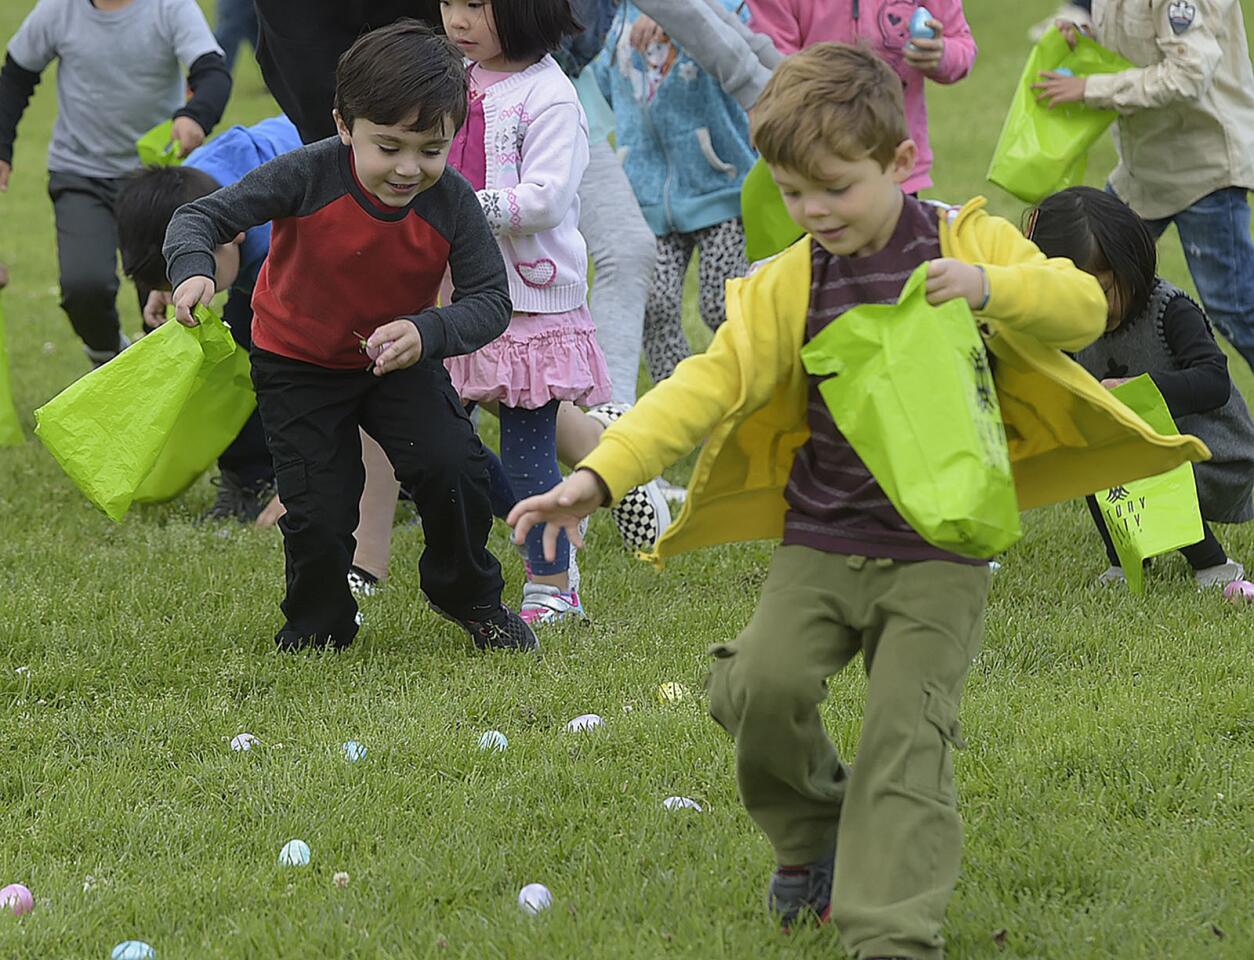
(529, 455)
(722, 256)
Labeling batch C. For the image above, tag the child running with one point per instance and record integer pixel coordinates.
(1185, 137)
(1153, 327)
(364, 227)
(875, 847)
(685, 148)
(145, 207)
(524, 147)
(117, 77)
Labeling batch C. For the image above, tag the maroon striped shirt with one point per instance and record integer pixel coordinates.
(835, 504)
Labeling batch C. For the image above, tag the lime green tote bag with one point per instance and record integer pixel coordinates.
(1041, 151)
(10, 426)
(1157, 514)
(156, 149)
(768, 227)
(145, 425)
(911, 387)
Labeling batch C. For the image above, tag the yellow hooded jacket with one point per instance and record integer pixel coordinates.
(746, 395)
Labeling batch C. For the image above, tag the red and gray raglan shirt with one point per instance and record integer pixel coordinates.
(341, 263)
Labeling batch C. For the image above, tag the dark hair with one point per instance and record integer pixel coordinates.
(406, 68)
(1098, 232)
(532, 28)
(145, 205)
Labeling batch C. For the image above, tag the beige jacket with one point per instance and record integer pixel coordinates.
(1186, 124)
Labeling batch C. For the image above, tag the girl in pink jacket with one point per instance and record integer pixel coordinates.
(884, 25)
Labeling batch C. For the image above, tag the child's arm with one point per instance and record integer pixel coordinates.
(272, 191)
(1202, 383)
(1050, 300)
(32, 48)
(479, 310)
(554, 156)
(1190, 59)
(207, 76)
(781, 21)
(957, 46)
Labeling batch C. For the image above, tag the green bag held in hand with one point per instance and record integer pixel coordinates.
(768, 227)
(1041, 151)
(10, 426)
(145, 425)
(156, 148)
(1160, 513)
(911, 388)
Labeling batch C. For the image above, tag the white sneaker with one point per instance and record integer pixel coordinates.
(361, 584)
(1219, 576)
(1111, 575)
(674, 494)
(546, 604)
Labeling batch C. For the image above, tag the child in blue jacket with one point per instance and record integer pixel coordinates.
(685, 146)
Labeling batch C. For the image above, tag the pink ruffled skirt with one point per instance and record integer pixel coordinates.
(539, 358)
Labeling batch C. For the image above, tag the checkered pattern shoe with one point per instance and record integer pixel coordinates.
(545, 604)
(362, 583)
(643, 514)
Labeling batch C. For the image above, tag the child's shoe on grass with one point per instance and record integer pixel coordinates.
(1220, 575)
(543, 603)
(501, 629)
(796, 892)
(1111, 575)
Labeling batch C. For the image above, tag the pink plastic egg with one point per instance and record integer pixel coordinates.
(16, 898)
(1239, 591)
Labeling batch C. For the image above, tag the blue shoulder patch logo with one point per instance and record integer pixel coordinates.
(1180, 15)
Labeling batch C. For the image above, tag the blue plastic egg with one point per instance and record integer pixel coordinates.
(1065, 72)
(133, 950)
(919, 29)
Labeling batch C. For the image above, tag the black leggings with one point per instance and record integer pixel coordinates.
(1207, 552)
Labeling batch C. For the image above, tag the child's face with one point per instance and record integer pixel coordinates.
(470, 25)
(853, 206)
(395, 163)
(1114, 302)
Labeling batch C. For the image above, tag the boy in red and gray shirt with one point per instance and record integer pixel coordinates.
(365, 225)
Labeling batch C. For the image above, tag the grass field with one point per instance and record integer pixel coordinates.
(1106, 790)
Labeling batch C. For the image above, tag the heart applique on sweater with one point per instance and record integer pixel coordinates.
(537, 273)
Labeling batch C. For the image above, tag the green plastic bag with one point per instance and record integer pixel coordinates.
(768, 227)
(1160, 513)
(146, 424)
(157, 149)
(1041, 151)
(10, 426)
(911, 388)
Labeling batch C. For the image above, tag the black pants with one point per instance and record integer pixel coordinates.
(1207, 552)
(311, 417)
(87, 250)
(248, 456)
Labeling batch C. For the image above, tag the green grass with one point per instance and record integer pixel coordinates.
(1106, 789)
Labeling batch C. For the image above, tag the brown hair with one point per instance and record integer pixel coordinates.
(396, 72)
(831, 98)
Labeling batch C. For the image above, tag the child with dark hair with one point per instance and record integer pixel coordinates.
(364, 227)
(145, 207)
(1153, 327)
(525, 148)
(117, 77)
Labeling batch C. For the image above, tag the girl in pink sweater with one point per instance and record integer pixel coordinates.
(884, 25)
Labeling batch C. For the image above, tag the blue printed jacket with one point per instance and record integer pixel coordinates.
(684, 143)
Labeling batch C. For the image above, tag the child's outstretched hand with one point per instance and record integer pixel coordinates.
(404, 346)
(949, 279)
(192, 292)
(560, 509)
(188, 134)
(925, 55)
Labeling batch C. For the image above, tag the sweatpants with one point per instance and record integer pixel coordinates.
(312, 417)
(721, 256)
(87, 252)
(892, 818)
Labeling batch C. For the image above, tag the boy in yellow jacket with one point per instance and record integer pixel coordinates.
(877, 848)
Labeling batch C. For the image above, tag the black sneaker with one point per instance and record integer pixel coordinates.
(238, 501)
(797, 891)
(289, 641)
(502, 630)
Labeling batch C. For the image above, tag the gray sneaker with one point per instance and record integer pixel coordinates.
(1219, 576)
(1111, 575)
(796, 891)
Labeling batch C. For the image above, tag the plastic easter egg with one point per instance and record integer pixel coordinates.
(585, 723)
(919, 30)
(681, 803)
(133, 950)
(1064, 71)
(1239, 591)
(353, 751)
(243, 741)
(17, 899)
(493, 740)
(533, 898)
(295, 853)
